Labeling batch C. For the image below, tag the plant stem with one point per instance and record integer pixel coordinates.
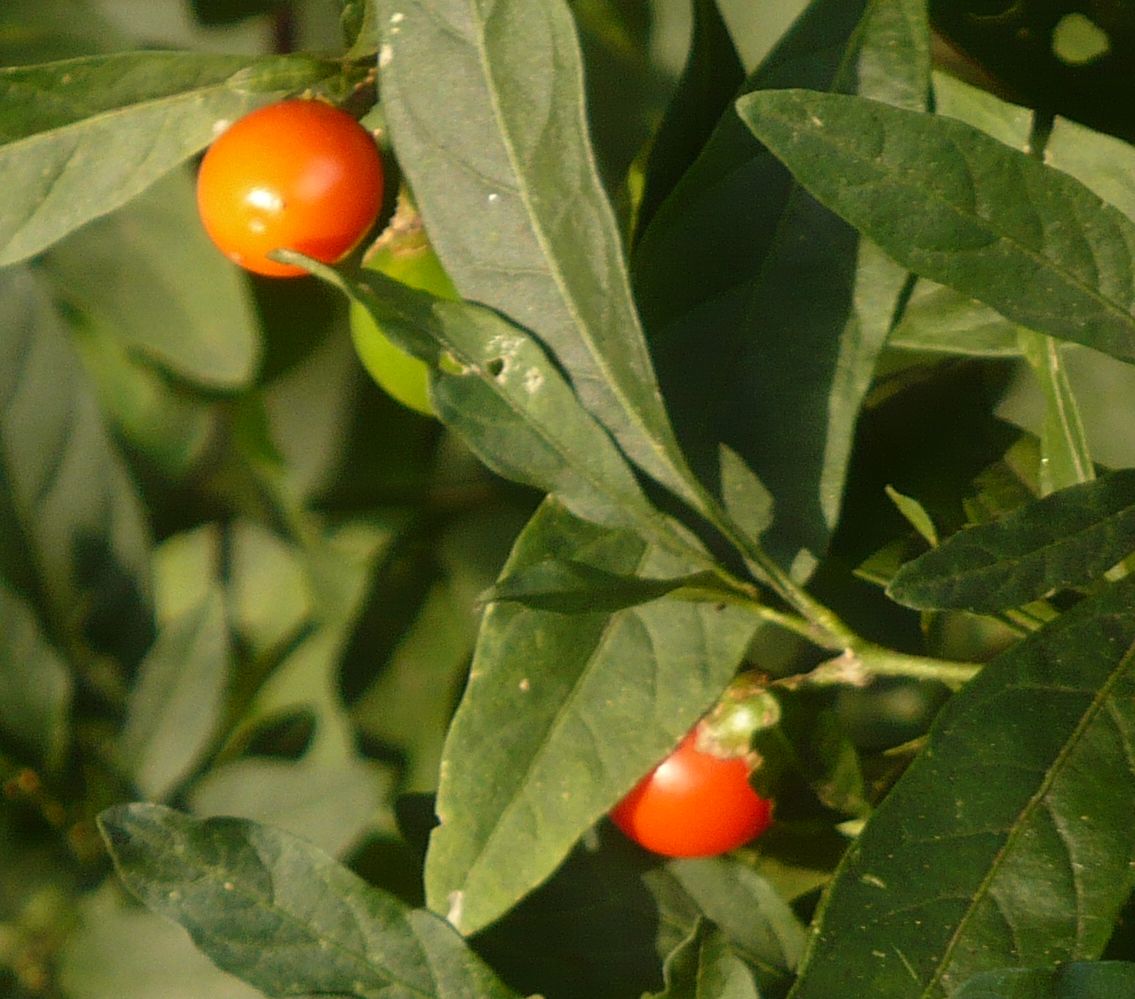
(865, 662)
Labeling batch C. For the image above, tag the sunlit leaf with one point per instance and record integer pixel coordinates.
(566, 712)
(963, 209)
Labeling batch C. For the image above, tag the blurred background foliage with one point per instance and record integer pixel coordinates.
(305, 555)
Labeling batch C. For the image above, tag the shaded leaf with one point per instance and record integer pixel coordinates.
(284, 916)
(940, 320)
(1067, 539)
(35, 687)
(1078, 980)
(496, 387)
(963, 209)
(176, 704)
(82, 136)
(72, 535)
(1008, 840)
(485, 105)
(705, 967)
(566, 712)
(763, 309)
(571, 587)
(712, 76)
(150, 276)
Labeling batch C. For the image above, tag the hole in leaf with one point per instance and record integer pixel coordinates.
(495, 367)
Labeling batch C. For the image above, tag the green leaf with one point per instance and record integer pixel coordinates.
(485, 105)
(705, 967)
(1064, 456)
(284, 916)
(571, 587)
(940, 320)
(963, 209)
(35, 32)
(149, 275)
(566, 712)
(495, 386)
(765, 311)
(709, 82)
(177, 702)
(1069, 538)
(759, 923)
(80, 137)
(73, 539)
(1008, 840)
(35, 687)
(1078, 980)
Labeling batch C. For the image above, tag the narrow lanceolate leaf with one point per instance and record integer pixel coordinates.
(496, 387)
(80, 137)
(765, 311)
(285, 917)
(1008, 842)
(485, 102)
(562, 714)
(73, 539)
(35, 688)
(963, 209)
(1067, 539)
(177, 703)
(704, 966)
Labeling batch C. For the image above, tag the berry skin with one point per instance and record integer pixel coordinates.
(299, 175)
(693, 804)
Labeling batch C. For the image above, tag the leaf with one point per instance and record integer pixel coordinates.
(939, 320)
(35, 32)
(1069, 538)
(566, 713)
(1064, 456)
(711, 78)
(80, 137)
(284, 916)
(150, 276)
(494, 385)
(1078, 980)
(964, 210)
(570, 587)
(760, 925)
(73, 540)
(177, 702)
(35, 687)
(485, 105)
(1008, 840)
(766, 312)
(705, 967)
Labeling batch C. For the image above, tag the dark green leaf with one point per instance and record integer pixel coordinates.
(150, 276)
(571, 587)
(497, 388)
(711, 79)
(963, 209)
(940, 320)
(35, 32)
(1067, 539)
(72, 535)
(1008, 840)
(705, 967)
(284, 916)
(80, 137)
(485, 108)
(765, 311)
(760, 925)
(35, 687)
(176, 705)
(1079, 980)
(566, 712)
